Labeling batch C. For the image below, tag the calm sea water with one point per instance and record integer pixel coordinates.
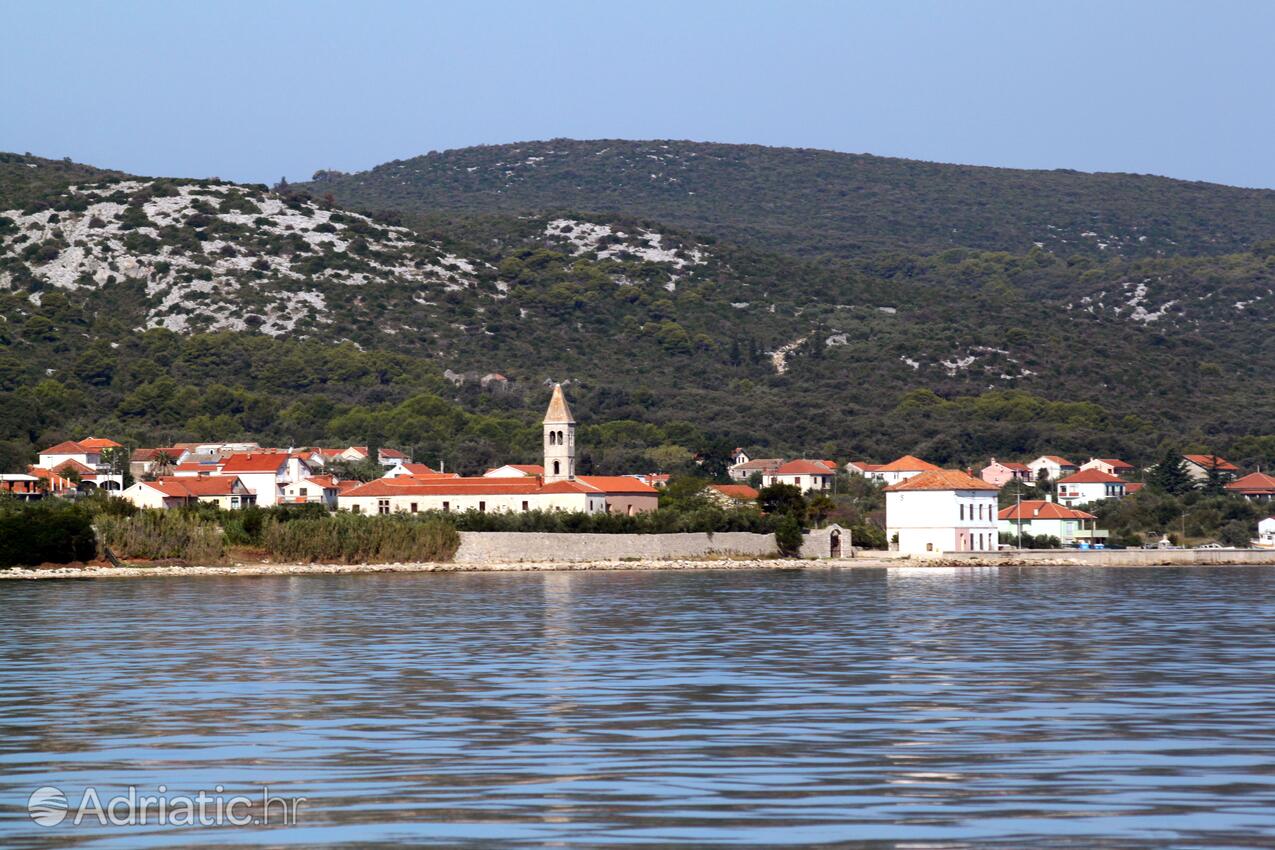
(905, 707)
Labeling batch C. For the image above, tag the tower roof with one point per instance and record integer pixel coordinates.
(558, 410)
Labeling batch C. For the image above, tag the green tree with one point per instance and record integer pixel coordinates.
(788, 535)
(1170, 475)
(783, 500)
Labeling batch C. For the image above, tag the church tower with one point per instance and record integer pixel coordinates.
(560, 439)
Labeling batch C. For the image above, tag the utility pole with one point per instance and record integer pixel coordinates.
(1018, 512)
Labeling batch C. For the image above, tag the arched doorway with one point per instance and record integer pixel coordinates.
(834, 544)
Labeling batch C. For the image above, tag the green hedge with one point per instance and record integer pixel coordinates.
(50, 531)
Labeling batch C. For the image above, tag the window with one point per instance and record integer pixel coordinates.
(525, 506)
(413, 507)
(962, 511)
(382, 506)
(556, 468)
(980, 511)
(482, 507)
(447, 506)
(553, 438)
(301, 491)
(355, 509)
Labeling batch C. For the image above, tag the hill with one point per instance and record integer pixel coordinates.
(815, 202)
(162, 309)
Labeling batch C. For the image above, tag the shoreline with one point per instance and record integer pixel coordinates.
(261, 570)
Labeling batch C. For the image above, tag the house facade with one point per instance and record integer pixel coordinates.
(266, 473)
(1198, 467)
(764, 466)
(941, 510)
(227, 492)
(1051, 467)
(1109, 465)
(1001, 473)
(810, 476)
(1266, 532)
(1256, 487)
(82, 460)
(1044, 518)
(900, 470)
(1089, 486)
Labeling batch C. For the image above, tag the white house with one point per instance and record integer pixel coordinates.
(265, 473)
(226, 492)
(1109, 465)
(384, 456)
(1198, 466)
(1090, 485)
(943, 510)
(743, 471)
(808, 475)
(1052, 467)
(317, 489)
(1266, 532)
(1044, 518)
(901, 470)
(84, 458)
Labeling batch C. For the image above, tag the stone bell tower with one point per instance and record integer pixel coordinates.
(560, 439)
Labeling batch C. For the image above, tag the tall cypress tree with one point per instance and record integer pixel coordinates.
(1170, 475)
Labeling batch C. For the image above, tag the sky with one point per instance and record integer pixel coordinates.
(251, 90)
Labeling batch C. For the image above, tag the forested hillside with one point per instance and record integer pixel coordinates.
(813, 202)
(163, 310)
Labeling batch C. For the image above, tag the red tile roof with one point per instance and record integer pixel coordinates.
(1207, 461)
(619, 485)
(142, 455)
(192, 488)
(72, 464)
(327, 482)
(1091, 476)
(1013, 464)
(254, 462)
(907, 463)
(1133, 487)
(1061, 461)
(418, 469)
(742, 492)
(864, 465)
(100, 443)
(1040, 509)
(1115, 462)
(803, 467)
(69, 447)
(942, 479)
(1253, 484)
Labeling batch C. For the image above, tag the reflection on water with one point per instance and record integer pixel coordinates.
(935, 708)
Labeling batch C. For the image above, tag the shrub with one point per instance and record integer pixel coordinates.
(355, 539)
(50, 531)
(162, 535)
(788, 537)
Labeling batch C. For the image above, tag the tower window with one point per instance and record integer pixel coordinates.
(556, 468)
(553, 438)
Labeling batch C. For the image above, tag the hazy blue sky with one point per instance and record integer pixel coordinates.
(261, 89)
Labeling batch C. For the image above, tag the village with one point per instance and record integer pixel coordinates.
(929, 510)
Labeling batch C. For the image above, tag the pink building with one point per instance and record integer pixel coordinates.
(1001, 473)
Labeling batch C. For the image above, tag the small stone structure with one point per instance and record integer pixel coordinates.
(830, 542)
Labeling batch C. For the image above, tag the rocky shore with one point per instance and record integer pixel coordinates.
(108, 572)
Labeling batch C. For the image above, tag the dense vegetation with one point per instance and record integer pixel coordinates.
(52, 532)
(675, 347)
(813, 202)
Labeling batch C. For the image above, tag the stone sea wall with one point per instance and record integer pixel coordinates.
(478, 547)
